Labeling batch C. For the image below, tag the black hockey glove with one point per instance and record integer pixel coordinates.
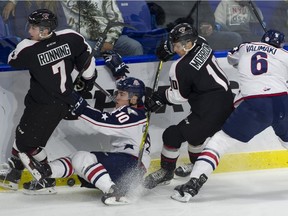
(154, 103)
(81, 85)
(165, 51)
(114, 62)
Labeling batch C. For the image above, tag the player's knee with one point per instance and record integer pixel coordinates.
(81, 160)
(172, 137)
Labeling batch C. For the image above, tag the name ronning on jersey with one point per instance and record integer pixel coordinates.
(263, 48)
(200, 58)
(54, 54)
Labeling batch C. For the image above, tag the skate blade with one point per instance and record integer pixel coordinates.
(44, 191)
(177, 196)
(9, 185)
(26, 161)
(165, 182)
(112, 201)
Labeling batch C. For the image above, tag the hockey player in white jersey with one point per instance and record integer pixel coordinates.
(116, 172)
(262, 102)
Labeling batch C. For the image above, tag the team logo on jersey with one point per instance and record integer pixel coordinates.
(131, 111)
(201, 57)
(54, 54)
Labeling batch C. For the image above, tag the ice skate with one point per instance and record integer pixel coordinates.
(183, 193)
(38, 170)
(9, 177)
(42, 187)
(184, 170)
(115, 197)
(161, 176)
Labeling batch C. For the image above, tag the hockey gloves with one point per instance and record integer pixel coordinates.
(82, 85)
(165, 51)
(154, 103)
(114, 62)
(79, 105)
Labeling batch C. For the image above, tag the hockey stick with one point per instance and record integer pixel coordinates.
(145, 134)
(105, 92)
(98, 46)
(257, 15)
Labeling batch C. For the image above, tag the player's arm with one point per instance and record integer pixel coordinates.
(19, 58)
(118, 123)
(180, 84)
(84, 62)
(233, 57)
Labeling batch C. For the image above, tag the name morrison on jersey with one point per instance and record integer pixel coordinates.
(200, 58)
(54, 54)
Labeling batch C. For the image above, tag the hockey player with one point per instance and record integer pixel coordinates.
(115, 172)
(50, 58)
(263, 99)
(195, 78)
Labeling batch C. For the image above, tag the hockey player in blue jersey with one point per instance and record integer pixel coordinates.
(114, 172)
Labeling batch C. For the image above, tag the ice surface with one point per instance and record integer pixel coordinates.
(253, 193)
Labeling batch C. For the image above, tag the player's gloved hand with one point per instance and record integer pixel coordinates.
(154, 103)
(82, 85)
(165, 51)
(114, 62)
(79, 104)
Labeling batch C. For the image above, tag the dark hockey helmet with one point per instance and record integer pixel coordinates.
(134, 86)
(183, 32)
(44, 18)
(274, 38)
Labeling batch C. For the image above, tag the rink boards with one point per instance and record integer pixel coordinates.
(263, 152)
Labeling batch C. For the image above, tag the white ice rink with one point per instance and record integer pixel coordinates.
(254, 193)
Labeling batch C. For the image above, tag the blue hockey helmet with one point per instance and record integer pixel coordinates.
(133, 86)
(183, 32)
(274, 38)
(43, 18)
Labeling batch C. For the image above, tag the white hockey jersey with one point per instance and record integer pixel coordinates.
(126, 125)
(263, 69)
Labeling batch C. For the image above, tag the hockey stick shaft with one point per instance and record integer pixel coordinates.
(257, 15)
(105, 92)
(145, 134)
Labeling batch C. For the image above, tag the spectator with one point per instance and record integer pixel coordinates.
(237, 16)
(204, 19)
(20, 10)
(94, 21)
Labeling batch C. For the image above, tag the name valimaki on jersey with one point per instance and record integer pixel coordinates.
(54, 54)
(200, 58)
